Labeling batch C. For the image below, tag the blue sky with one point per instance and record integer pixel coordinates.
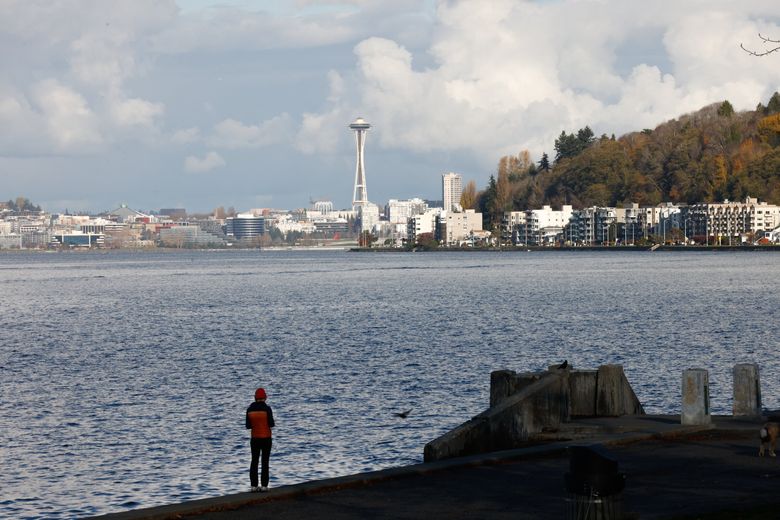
(199, 104)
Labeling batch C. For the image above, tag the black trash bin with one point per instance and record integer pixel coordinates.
(594, 485)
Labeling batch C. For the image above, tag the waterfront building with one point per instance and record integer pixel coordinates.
(457, 228)
(211, 225)
(591, 226)
(10, 241)
(628, 220)
(451, 191)
(78, 239)
(368, 215)
(329, 227)
(244, 226)
(423, 223)
(400, 211)
(189, 236)
(360, 193)
(287, 224)
(511, 223)
(101, 225)
(730, 221)
(538, 226)
(772, 236)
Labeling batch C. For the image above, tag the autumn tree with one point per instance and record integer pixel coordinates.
(21, 204)
(426, 241)
(468, 198)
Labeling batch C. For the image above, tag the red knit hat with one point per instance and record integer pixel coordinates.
(260, 394)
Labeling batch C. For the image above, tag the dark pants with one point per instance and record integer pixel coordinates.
(259, 446)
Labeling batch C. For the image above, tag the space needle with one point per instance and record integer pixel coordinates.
(360, 195)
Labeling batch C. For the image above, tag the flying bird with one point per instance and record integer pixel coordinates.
(403, 415)
(564, 364)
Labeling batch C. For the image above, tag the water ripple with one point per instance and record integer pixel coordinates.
(124, 377)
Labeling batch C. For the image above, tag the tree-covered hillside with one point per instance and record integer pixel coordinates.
(710, 155)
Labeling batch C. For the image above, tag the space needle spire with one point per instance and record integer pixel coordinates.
(360, 195)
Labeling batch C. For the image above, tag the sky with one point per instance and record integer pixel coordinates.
(206, 103)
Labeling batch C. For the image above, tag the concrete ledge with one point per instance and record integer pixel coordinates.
(645, 428)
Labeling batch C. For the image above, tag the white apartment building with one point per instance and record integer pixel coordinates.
(286, 224)
(591, 226)
(510, 224)
(400, 211)
(660, 219)
(456, 228)
(425, 223)
(451, 190)
(732, 221)
(368, 213)
(543, 226)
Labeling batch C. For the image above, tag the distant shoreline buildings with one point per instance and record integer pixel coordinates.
(399, 223)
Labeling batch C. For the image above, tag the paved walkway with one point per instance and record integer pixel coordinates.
(671, 472)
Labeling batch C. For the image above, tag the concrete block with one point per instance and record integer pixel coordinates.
(501, 385)
(582, 389)
(541, 404)
(747, 390)
(614, 395)
(506, 383)
(695, 397)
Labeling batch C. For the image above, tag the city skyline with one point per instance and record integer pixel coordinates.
(199, 104)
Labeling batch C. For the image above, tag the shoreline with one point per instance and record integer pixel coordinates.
(351, 249)
(602, 249)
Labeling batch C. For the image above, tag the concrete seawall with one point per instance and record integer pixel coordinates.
(531, 407)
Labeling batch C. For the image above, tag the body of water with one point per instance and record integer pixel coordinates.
(124, 377)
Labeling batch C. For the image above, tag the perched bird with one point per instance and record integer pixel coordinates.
(403, 415)
(564, 364)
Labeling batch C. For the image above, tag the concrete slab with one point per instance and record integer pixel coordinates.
(671, 471)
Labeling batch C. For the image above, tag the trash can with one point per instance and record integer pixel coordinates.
(594, 485)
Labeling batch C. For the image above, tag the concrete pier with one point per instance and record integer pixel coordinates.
(747, 390)
(672, 471)
(533, 406)
(695, 397)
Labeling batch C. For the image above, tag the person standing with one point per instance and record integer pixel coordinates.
(260, 419)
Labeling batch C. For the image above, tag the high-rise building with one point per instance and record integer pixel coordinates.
(451, 190)
(244, 226)
(360, 195)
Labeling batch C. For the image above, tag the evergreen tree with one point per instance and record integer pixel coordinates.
(725, 109)
(585, 137)
(544, 163)
(774, 104)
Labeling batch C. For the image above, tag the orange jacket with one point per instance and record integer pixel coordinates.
(260, 419)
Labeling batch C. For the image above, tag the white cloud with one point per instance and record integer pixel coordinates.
(534, 69)
(321, 132)
(186, 135)
(210, 161)
(68, 119)
(135, 112)
(88, 51)
(233, 134)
